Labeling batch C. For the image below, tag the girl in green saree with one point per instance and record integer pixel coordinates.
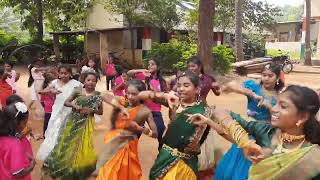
(73, 157)
(288, 148)
(177, 159)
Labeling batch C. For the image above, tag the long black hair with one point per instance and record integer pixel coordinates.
(163, 83)
(307, 100)
(276, 69)
(48, 77)
(140, 85)
(32, 65)
(66, 67)
(195, 80)
(196, 60)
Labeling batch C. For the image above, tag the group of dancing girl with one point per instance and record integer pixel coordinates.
(278, 138)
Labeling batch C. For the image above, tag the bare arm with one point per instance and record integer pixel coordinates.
(17, 76)
(152, 125)
(68, 102)
(132, 72)
(237, 88)
(100, 109)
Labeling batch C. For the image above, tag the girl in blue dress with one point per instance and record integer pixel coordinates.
(261, 97)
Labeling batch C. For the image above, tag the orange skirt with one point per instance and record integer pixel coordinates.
(124, 165)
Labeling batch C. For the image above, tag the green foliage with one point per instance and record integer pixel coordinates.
(170, 54)
(275, 53)
(290, 13)
(64, 15)
(257, 14)
(176, 53)
(57, 14)
(223, 58)
(162, 13)
(159, 13)
(254, 45)
(7, 39)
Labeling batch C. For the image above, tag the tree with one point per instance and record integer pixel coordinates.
(66, 15)
(256, 14)
(290, 13)
(307, 58)
(58, 14)
(238, 31)
(205, 34)
(30, 15)
(162, 14)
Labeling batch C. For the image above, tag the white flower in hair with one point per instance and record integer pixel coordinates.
(86, 69)
(21, 107)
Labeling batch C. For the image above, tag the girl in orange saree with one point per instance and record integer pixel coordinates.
(119, 160)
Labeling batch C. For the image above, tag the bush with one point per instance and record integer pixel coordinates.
(170, 54)
(174, 55)
(223, 58)
(275, 53)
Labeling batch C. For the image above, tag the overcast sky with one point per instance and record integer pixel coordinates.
(284, 2)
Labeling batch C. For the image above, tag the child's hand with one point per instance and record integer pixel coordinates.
(55, 91)
(32, 161)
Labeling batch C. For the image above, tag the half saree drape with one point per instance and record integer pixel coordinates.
(177, 160)
(299, 164)
(74, 158)
(119, 160)
(296, 165)
(58, 117)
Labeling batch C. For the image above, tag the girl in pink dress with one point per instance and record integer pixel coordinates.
(155, 82)
(120, 87)
(47, 99)
(14, 76)
(110, 72)
(16, 157)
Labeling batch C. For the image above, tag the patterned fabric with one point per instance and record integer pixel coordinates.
(296, 165)
(186, 140)
(205, 85)
(255, 111)
(119, 160)
(74, 158)
(234, 165)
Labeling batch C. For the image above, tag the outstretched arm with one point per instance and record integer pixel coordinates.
(132, 72)
(222, 120)
(166, 99)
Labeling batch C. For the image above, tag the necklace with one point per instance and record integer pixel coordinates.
(284, 137)
(88, 94)
(269, 93)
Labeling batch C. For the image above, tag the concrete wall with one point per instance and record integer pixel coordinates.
(293, 48)
(314, 30)
(93, 43)
(286, 46)
(293, 34)
(315, 8)
(100, 18)
(290, 29)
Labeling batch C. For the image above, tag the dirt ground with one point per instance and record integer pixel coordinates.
(148, 146)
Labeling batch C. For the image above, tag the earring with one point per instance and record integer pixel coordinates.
(298, 123)
(198, 98)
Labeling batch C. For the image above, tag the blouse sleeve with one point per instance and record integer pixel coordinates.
(262, 131)
(251, 85)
